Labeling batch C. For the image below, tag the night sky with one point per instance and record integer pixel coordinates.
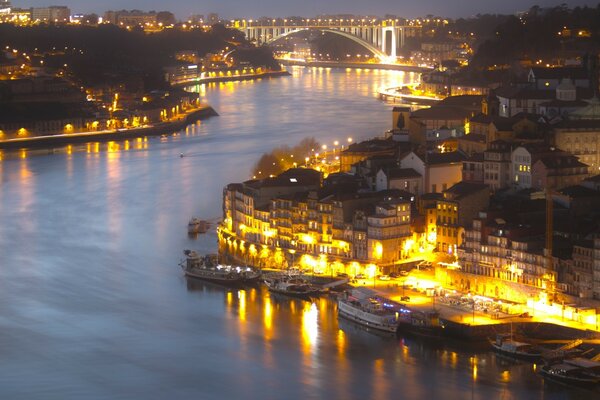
(307, 8)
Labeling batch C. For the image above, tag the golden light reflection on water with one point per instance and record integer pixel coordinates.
(310, 326)
(341, 343)
(380, 382)
(268, 318)
(242, 305)
(473, 361)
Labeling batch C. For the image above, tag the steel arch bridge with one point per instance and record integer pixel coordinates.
(373, 37)
(378, 53)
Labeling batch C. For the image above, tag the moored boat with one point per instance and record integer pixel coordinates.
(292, 286)
(569, 374)
(505, 344)
(206, 267)
(420, 323)
(197, 225)
(370, 312)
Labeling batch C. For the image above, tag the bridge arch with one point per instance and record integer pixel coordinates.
(378, 53)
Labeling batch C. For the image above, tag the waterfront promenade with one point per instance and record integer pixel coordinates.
(175, 124)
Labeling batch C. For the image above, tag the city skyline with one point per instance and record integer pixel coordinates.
(254, 9)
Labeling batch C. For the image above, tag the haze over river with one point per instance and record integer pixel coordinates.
(93, 304)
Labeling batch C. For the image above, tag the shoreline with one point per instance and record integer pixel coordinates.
(218, 79)
(462, 325)
(331, 64)
(117, 135)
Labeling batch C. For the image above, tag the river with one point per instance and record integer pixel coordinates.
(94, 306)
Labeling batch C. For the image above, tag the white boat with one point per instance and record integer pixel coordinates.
(369, 311)
(292, 286)
(207, 268)
(505, 344)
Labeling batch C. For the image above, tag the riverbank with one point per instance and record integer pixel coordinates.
(232, 78)
(333, 64)
(113, 135)
(463, 324)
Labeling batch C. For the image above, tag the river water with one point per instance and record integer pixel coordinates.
(94, 306)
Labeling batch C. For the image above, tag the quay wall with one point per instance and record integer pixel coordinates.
(529, 329)
(117, 135)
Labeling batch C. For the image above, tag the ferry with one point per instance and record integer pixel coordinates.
(206, 267)
(368, 310)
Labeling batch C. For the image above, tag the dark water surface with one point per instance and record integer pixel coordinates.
(94, 306)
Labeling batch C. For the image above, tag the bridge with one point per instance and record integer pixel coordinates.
(382, 37)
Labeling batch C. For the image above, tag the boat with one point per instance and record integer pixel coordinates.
(206, 267)
(570, 375)
(589, 367)
(369, 311)
(505, 344)
(420, 323)
(197, 225)
(292, 286)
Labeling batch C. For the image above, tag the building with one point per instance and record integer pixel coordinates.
(399, 178)
(56, 14)
(357, 152)
(503, 260)
(438, 171)
(497, 165)
(514, 100)
(557, 170)
(524, 157)
(550, 78)
(579, 134)
(437, 122)
(388, 230)
(473, 168)
(460, 205)
(130, 18)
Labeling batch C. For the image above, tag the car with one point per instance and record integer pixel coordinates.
(424, 265)
(384, 277)
(360, 276)
(404, 298)
(342, 274)
(403, 273)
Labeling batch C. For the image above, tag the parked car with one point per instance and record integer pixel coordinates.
(384, 277)
(404, 298)
(342, 274)
(360, 276)
(403, 273)
(424, 265)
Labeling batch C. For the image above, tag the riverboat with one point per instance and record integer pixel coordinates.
(206, 267)
(370, 312)
(420, 323)
(570, 375)
(197, 225)
(506, 345)
(292, 286)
